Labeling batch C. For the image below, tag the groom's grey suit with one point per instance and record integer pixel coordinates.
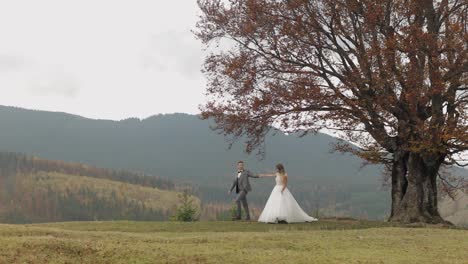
(242, 185)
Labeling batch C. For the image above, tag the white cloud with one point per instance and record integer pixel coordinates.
(174, 51)
(10, 62)
(53, 82)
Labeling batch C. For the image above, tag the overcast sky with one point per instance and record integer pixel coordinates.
(108, 59)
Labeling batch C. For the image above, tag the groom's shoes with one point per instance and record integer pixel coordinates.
(236, 218)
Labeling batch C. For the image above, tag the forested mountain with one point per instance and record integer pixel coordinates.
(38, 190)
(183, 148)
(16, 163)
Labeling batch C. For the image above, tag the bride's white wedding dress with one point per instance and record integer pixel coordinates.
(283, 207)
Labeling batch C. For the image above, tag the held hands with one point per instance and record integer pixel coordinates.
(266, 175)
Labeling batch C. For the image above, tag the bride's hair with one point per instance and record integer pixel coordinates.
(280, 169)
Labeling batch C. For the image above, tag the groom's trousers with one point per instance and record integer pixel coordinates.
(242, 198)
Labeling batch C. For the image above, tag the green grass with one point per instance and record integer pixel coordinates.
(326, 241)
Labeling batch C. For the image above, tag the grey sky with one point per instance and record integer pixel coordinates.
(109, 59)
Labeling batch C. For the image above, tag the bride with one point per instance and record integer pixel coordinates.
(281, 205)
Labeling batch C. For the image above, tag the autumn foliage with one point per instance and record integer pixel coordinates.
(38, 190)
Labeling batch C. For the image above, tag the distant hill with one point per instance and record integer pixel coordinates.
(183, 148)
(15, 163)
(37, 190)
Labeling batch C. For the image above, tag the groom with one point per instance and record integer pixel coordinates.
(242, 185)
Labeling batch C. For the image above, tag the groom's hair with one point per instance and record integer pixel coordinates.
(240, 161)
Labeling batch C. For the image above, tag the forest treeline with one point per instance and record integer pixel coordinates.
(37, 190)
(12, 163)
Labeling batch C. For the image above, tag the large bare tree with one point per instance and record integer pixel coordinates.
(391, 76)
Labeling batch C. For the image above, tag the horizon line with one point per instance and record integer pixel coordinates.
(98, 119)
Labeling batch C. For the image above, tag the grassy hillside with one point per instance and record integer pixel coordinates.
(50, 196)
(38, 190)
(13, 163)
(326, 241)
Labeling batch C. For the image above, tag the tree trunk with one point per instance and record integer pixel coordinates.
(414, 189)
(399, 181)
